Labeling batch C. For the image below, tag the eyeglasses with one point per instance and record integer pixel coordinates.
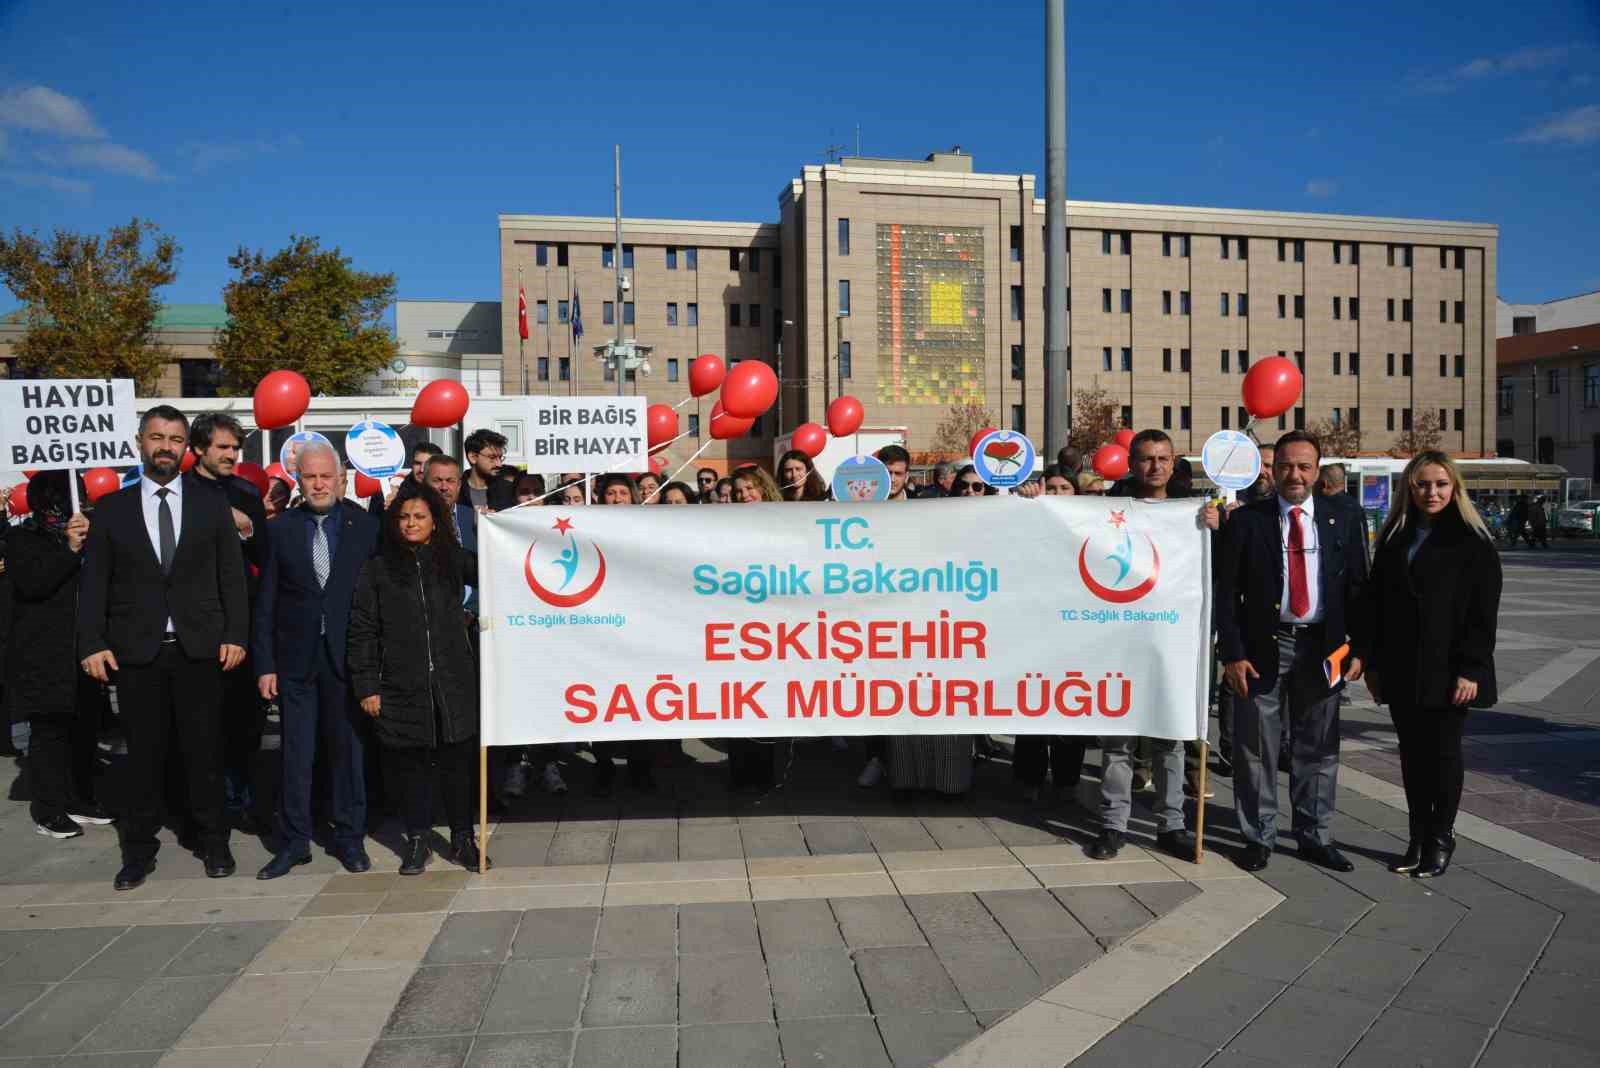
(968, 486)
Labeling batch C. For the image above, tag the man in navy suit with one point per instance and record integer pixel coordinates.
(1290, 572)
(299, 652)
(444, 475)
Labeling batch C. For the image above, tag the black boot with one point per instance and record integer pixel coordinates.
(464, 851)
(414, 855)
(1411, 861)
(1436, 854)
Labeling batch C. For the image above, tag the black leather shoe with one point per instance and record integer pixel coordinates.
(1177, 843)
(414, 855)
(1108, 845)
(355, 860)
(133, 874)
(1254, 857)
(1410, 862)
(278, 866)
(1436, 854)
(219, 862)
(464, 851)
(1327, 856)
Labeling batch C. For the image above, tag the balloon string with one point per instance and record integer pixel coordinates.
(679, 471)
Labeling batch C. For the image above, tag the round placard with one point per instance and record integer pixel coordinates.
(375, 449)
(1003, 458)
(1231, 460)
(289, 454)
(861, 478)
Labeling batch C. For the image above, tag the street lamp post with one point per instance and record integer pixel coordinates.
(782, 327)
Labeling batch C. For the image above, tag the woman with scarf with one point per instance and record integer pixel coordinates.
(45, 684)
(413, 669)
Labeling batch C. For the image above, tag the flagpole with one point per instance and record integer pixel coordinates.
(522, 328)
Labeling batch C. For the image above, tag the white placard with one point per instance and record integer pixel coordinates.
(55, 423)
(1231, 459)
(375, 449)
(588, 434)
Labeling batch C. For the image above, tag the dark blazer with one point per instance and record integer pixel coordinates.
(291, 606)
(243, 495)
(1349, 510)
(1433, 619)
(1250, 587)
(124, 600)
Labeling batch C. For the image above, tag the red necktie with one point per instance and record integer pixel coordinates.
(1299, 592)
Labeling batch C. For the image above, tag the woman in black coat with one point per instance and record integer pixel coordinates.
(1433, 599)
(45, 685)
(413, 669)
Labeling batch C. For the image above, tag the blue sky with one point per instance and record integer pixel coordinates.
(399, 132)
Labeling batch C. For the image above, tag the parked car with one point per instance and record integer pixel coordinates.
(1579, 518)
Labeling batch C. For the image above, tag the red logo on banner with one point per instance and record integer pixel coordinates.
(1117, 591)
(565, 566)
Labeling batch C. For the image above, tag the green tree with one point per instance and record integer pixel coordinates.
(1096, 418)
(89, 302)
(304, 309)
(951, 436)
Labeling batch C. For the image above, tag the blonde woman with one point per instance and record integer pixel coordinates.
(1433, 599)
(1091, 484)
(751, 485)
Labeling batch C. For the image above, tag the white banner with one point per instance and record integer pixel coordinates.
(54, 423)
(998, 615)
(588, 434)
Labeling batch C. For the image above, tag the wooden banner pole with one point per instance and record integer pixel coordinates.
(483, 808)
(1200, 805)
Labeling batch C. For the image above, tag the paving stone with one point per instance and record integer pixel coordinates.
(1020, 832)
(953, 918)
(835, 836)
(551, 1049)
(898, 835)
(473, 938)
(1466, 887)
(717, 927)
(1525, 879)
(1557, 1006)
(120, 1059)
(817, 982)
(1512, 934)
(1319, 1027)
(13, 942)
(1211, 1004)
(738, 1045)
(989, 976)
(1468, 988)
(655, 842)
(1572, 953)
(723, 989)
(140, 952)
(1363, 968)
(156, 1016)
(1423, 926)
(846, 1041)
(442, 1000)
(638, 931)
(1278, 951)
(914, 1041)
(903, 979)
(1132, 1044)
(876, 921)
(54, 955)
(537, 995)
(420, 1053)
(1511, 1049)
(710, 843)
(1313, 900)
(1054, 959)
(58, 1021)
(1031, 915)
(626, 1047)
(773, 840)
(632, 993)
(1109, 913)
(1162, 898)
(556, 933)
(17, 996)
(579, 847)
(1442, 1040)
(959, 832)
(225, 948)
(520, 847)
(788, 926)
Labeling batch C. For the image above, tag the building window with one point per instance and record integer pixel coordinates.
(1336, 362)
(1299, 306)
(1299, 256)
(627, 257)
(1391, 309)
(1355, 363)
(627, 313)
(1554, 380)
(1300, 361)
(844, 360)
(1227, 361)
(1222, 304)
(844, 296)
(1524, 324)
(734, 259)
(1183, 360)
(1244, 360)
(1183, 245)
(1016, 363)
(544, 369)
(1069, 298)
(1183, 302)
(541, 312)
(672, 313)
(1166, 244)
(1105, 358)
(1355, 308)
(1016, 304)
(1444, 365)
(1224, 242)
(1105, 242)
(1241, 304)
(691, 259)
(1224, 417)
(1591, 385)
(1405, 310)
(608, 256)
(1283, 249)
(1127, 415)
(754, 260)
(1461, 365)
(1244, 247)
(1016, 244)
(777, 269)
(1335, 418)
(1390, 363)
(1460, 418)
(1299, 418)
(672, 258)
(1444, 311)
(1244, 416)
(694, 425)
(755, 315)
(1166, 359)
(1405, 418)
(1127, 302)
(1019, 420)
(1389, 423)
(196, 378)
(733, 315)
(1126, 242)
(1338, 257)
(1166, 302)
(561, 255)
(608, 313)
(1166, 417)
(541, 255)
(1338, 307)
(1183, 417)
(672, 370)
(1405, 364)
(1127, 359)
(564, 368)
(1461, 311)
(1283, 306)
(1105, 301)
(563, 311)
(691, 312)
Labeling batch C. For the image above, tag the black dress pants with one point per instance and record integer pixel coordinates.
(1061, 755)
(408, 775)
(1431, 765)
(61, 752)
(172, 699)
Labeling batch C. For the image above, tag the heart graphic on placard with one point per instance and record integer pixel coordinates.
(1001, 453)
(861, 489)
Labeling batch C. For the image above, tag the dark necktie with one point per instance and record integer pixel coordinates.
(1299, 588)
(169, 537)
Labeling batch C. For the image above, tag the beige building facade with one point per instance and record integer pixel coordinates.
(916, 285)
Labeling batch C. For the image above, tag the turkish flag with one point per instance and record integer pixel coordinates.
(522, 313)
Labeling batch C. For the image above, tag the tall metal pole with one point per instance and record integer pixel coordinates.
(1533, 399)
(616, 261)
(1057, 400)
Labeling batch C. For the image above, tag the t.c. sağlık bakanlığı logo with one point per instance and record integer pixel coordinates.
(561, 561)
(1119, 567)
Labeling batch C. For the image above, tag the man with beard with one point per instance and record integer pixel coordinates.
(484, 488)
(162, 606)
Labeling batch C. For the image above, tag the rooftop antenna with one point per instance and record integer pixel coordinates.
(858, 139)
(832, 151)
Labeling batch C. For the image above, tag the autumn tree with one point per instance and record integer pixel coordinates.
(960, 423)
(1423, 435)
(89, 302)
(1096, 418)
(304, 309)
(1337, 439)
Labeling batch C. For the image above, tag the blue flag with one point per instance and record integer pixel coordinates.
(577, 317)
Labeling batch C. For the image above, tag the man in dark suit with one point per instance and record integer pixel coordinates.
(1289, 576)
(316, 553)
(162, 603)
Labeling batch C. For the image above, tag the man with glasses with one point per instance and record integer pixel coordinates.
(486, 491)
(706, 479)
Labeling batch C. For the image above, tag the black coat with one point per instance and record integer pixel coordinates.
(408, 643)
(1433, 619)
(1250, 587)
(43, 669)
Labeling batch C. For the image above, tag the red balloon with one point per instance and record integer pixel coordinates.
(30, 472)
(366, 485)
(1124, 438)
(809, 438)
(440, 404)
(706, 374)
(1271, 387)
(99, 481)
(281, 398)
(749, 389)
(725, 426)
(972, 442)
(661, 425)
(190, 458)
(844, 417)
(19, 499)
(253, 474)
(277, 471)
(1111, 462)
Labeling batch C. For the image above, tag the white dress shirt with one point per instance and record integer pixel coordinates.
(1310, 541)
(152, 515)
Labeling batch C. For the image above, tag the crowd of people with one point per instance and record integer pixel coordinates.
(202, 603)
